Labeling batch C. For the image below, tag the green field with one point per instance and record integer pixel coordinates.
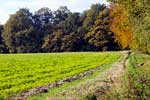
(20, 72)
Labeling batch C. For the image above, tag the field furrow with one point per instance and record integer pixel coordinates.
(21, 72)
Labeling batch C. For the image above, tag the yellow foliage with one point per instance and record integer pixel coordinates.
(120, 26)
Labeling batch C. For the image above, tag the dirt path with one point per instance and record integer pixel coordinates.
(97, 86)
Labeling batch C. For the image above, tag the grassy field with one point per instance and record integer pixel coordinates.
(136, 81)
(138, 77)
(20, 72)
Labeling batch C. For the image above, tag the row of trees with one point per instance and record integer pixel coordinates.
(124, 25)
(130, 21)
(58, 31)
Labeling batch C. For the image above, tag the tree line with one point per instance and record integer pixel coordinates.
(122, 25)
(57, 31)
(130, 21)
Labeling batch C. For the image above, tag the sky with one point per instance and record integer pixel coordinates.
(8, 7)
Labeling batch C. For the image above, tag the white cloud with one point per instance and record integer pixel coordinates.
(10, 6)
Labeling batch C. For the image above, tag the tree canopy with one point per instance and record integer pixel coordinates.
(137, 12)
(122, 25)
(58, 31)
(20, 34)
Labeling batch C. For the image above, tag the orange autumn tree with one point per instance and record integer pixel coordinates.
(120, 26)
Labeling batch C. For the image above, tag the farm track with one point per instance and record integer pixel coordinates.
(114, 76)
(99, 86)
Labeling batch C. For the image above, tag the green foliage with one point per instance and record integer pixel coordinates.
(61, 14)
(138, 11)
(20, 72)
(19, 34)
(91, 14)
(59, 31)
(52, 42)
(99, 34)
(140, 16)
(68, 36)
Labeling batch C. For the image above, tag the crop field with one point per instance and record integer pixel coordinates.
(21, 72)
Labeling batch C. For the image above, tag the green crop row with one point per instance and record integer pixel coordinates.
(21, 72)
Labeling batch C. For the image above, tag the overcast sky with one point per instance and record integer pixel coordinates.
(8, 7)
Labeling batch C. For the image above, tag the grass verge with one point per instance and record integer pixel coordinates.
(136, 81)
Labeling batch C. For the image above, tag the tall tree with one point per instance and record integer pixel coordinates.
(43, 19)
(43, 16)
(72, 36)
(92, 13)
(138, 11)
(52, 42)
(20, 34)
(66, 37)
(61, 14)
(120, 26)
(100, 35)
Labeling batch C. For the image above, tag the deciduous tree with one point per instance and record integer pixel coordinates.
(119, 24)
(100, 35)
(19, 34)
